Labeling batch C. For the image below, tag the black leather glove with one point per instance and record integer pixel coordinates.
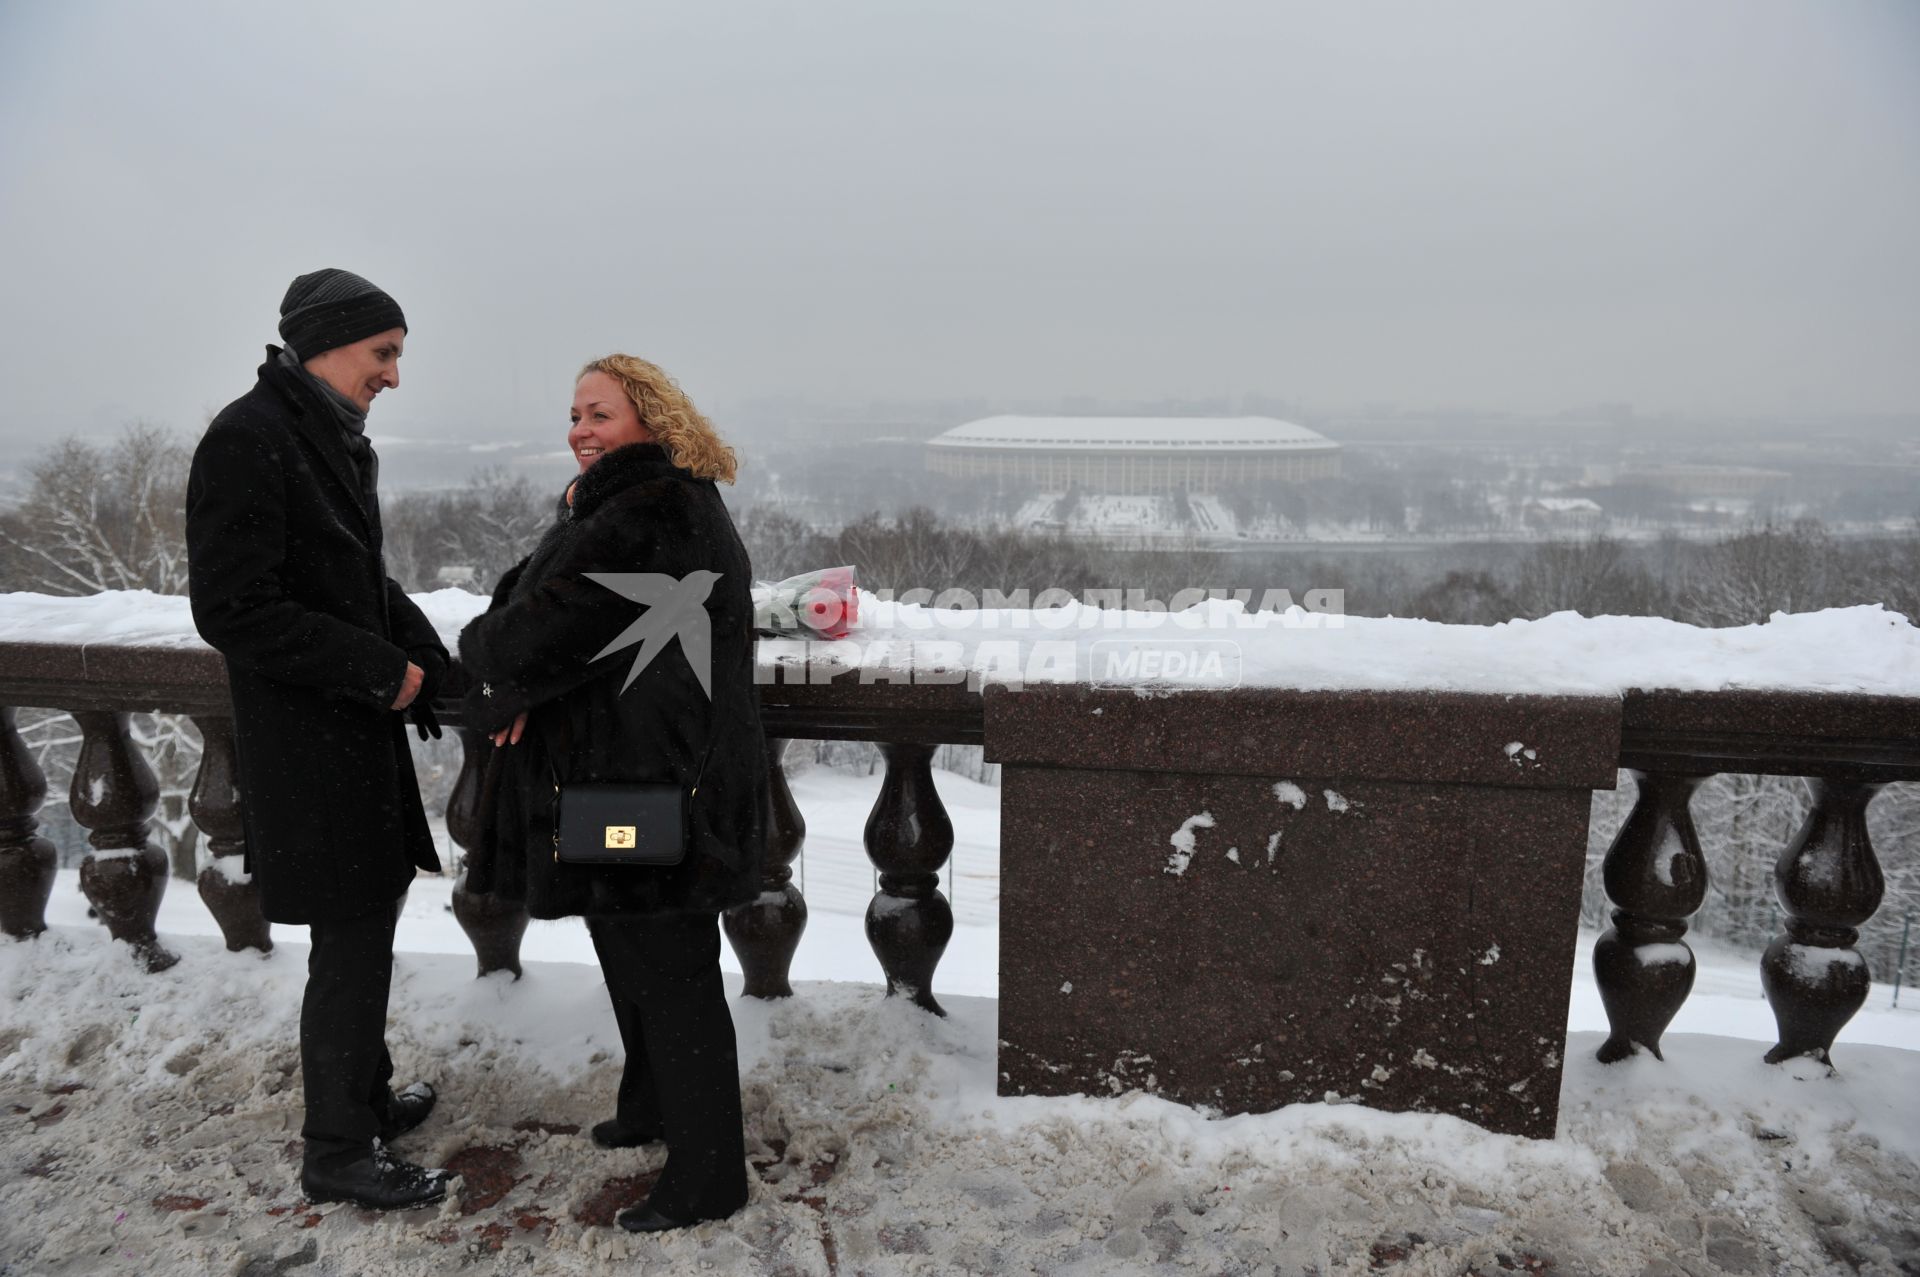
(433, 674)
(424, 720)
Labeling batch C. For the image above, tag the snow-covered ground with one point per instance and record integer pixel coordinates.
(148, 1124)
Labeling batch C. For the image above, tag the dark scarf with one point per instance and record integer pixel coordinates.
(353, 426)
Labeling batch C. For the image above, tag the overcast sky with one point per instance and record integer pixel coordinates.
(1700, 207)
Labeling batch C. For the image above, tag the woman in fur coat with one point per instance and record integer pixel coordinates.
(568, 693)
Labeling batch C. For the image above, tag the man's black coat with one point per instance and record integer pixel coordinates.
(633, 511)
(287, 582)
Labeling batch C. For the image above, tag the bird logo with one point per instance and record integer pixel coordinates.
(675, 606)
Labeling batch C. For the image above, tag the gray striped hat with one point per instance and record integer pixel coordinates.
(330, 308)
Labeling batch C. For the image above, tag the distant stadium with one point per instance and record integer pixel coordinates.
(1134, 454)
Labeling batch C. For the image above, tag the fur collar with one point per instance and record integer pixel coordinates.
(621, 469)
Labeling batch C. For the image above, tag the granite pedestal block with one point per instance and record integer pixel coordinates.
(1243, 899)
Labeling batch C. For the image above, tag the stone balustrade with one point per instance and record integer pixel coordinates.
(1468, 853)
(1827, 879)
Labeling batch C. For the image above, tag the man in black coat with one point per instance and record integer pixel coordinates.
(324, 654)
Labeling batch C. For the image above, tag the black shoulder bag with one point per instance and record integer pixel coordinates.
(634, 822)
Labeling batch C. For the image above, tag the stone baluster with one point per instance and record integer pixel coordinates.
(766, 931)
(493, 925)
(1657, 879)
(27, 860)
(1828, 883)
(228, 891)
(908, 839)
(113, 796)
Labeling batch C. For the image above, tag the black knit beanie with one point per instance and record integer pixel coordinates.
(330, 308)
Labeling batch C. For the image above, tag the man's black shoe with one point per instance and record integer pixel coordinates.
(613, 1135)
(408, 1109)
(378, 1181)
(645, 1219)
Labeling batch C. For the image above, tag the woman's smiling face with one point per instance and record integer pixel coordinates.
(603, 419)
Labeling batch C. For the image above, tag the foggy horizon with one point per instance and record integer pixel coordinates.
(1497, 206)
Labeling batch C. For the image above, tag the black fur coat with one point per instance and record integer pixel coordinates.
(633, 511)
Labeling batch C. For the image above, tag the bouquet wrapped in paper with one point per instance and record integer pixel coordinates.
(820, 604)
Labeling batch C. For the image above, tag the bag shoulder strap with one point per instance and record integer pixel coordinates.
(565, 742)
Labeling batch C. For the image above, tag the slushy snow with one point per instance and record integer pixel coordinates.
(151, 1123)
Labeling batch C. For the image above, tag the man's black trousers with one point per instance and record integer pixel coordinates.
(343, 1036)
(682, 1075)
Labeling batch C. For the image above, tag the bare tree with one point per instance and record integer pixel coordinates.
(409, 538)
(111, 518)
(502, 518)
(1593, 577)
(1881, 570)
(1744, 822)
(1893, 822)
(779, 543)
(485, 526)
(1773, 567)
(1465, 598)
(912, 551)
(97, 518)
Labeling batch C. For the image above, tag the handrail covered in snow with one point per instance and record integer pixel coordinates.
(1828, 881)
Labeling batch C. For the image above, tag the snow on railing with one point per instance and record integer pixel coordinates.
(1268, 640)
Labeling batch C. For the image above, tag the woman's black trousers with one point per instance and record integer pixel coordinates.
(682, 1075)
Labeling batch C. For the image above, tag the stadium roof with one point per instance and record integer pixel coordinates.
(1135, 434)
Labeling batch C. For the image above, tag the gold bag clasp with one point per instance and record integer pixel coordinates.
(620, 836)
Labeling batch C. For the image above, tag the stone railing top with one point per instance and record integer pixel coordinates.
(1468, 738)
(1861, 650)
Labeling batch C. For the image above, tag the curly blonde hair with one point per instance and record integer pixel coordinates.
(669, 416)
